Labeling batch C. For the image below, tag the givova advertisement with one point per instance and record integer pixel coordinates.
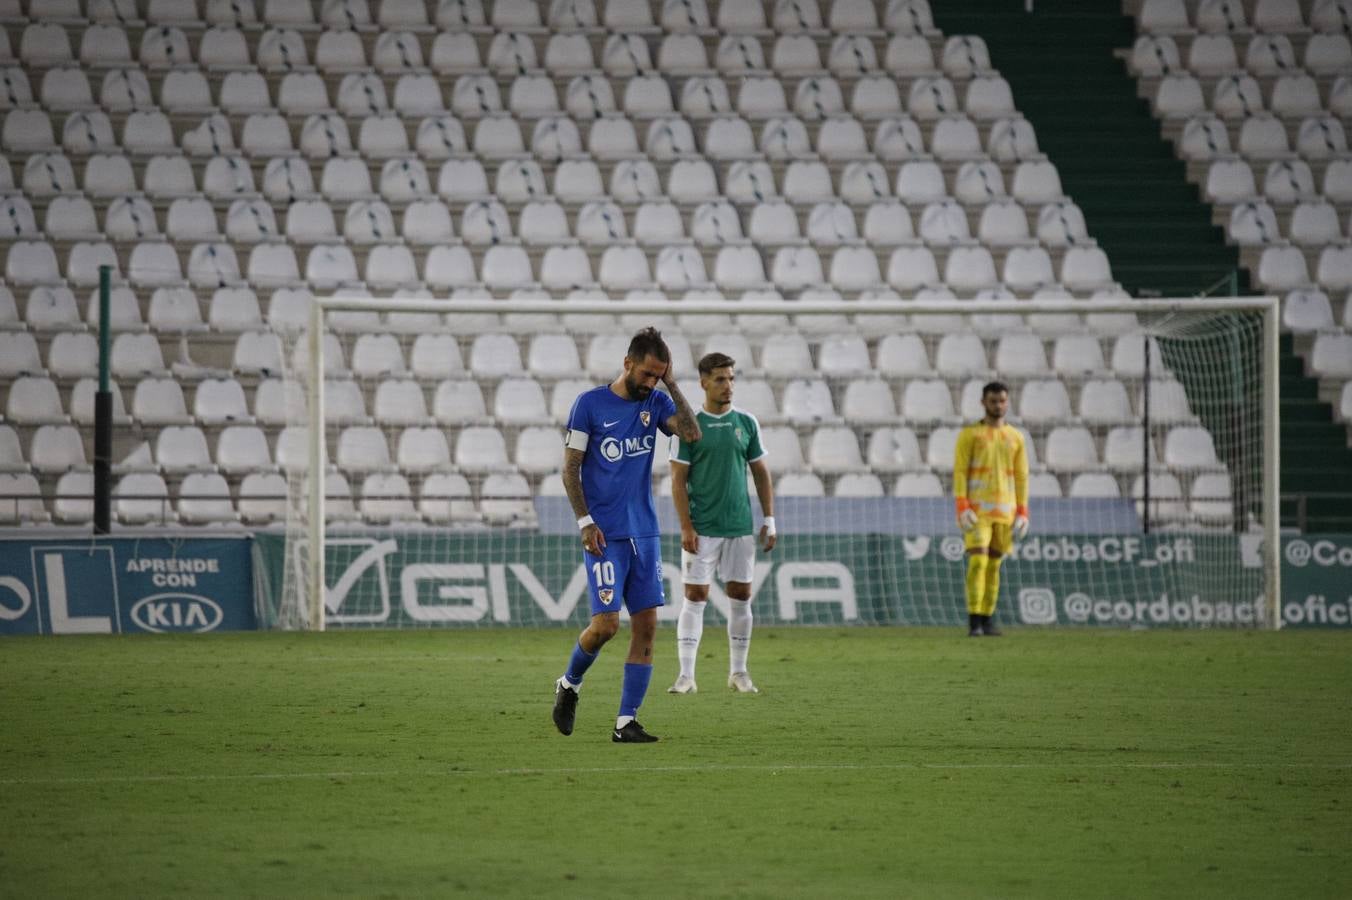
(1172, 579)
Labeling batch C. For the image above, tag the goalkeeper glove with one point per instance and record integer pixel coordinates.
(967, 519)
(1020, 527)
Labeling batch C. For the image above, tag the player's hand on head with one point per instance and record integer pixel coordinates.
(669, 376)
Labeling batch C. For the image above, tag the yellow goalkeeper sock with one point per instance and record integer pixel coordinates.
(992, 593)
(976, 583)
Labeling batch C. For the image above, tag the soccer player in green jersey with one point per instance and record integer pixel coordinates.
(708, 485)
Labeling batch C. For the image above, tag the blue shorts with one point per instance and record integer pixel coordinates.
(628, 571)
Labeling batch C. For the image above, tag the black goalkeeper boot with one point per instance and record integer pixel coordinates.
(973, 625)
(988, 627)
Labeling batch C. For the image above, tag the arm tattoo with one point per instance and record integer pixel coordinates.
(684, 421)
(572, 481)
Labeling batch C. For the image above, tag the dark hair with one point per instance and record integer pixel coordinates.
(994, 387)
(711, 361)
(648, 342)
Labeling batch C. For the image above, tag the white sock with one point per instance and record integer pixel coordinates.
(739, 634)
(689, 629)
(621, 721)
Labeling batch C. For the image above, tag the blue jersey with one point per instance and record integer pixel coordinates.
(618, 467)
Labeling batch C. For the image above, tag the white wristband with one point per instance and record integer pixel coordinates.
(769, 524)
(584, 522)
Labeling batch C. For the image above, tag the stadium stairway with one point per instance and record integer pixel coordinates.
(1059, 60)
(1138, 204)
(1316, 461)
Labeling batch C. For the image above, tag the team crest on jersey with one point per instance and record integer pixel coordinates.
(645, 417)
(607, 595)
(738, 433)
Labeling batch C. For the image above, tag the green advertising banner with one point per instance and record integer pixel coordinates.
(1317, 580)
(505, 578)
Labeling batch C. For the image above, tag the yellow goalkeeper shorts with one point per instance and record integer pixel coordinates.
(998, 537)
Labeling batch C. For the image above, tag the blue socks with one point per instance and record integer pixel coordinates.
(578, 664)
(636, 678)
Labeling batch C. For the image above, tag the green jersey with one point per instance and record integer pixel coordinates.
(716, 483)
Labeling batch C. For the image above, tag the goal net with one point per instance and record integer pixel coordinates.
(423, 452)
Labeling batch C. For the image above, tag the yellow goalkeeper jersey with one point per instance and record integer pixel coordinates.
(990, 472)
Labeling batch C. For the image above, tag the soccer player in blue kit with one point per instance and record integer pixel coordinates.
(607, 472)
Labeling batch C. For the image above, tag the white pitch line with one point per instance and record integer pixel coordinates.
(429, 657)
(330, 660)
(696, 768)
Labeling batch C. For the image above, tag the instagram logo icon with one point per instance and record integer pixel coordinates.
(1037, 606)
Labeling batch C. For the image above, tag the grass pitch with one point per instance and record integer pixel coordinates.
(876, 762)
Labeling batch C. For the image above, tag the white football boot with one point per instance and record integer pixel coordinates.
(684, 685)
(741, 683)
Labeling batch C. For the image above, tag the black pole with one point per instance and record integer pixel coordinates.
(103, 417)
(1145, 443)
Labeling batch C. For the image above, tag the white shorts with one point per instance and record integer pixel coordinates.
(734, 558)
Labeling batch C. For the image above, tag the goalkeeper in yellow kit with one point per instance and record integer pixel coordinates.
(990, 482)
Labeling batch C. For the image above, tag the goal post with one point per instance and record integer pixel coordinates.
(1218, 358)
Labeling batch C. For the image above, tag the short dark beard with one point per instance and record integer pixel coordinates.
(636, 391)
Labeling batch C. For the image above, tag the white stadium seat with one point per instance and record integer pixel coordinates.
(458, 401)
(894, 449)
(142, 498)
(519, 401)
(182, 448)
(446, 497)
(921, 181)
(386, 497)
(1331, 356)
(918, 484)
(1123, 449)
(1189, 447)
(1307, 310)
(262, 497)
(807, 401)
(422, 449)
(1209, 498)
(539, 450)
(1070, 448)
(241, 449)
(1044, 401)
(783, 452)
(494, 356)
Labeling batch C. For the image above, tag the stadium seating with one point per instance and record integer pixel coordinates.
(232, 163)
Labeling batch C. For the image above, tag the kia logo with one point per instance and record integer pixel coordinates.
(163, 613)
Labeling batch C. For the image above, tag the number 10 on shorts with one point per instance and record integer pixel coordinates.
(603, 573)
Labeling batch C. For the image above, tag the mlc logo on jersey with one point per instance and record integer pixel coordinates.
(612, 448)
